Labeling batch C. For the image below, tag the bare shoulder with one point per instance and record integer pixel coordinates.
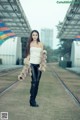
(41, 44)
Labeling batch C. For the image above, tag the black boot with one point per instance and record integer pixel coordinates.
(33, 97)
(34, 104)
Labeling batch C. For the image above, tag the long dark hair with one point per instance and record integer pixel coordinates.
(30, 40)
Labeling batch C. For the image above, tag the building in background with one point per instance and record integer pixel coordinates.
(11, 51)
(47, 37)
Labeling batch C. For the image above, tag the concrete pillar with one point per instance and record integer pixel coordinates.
(75, 54)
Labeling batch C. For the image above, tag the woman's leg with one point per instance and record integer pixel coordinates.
(36, 74)
(33, 83)
(37, 82)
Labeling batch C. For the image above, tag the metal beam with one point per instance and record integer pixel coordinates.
(70, 28)
(5, 17)
(71, 25)
(9, 11)
(6, 3)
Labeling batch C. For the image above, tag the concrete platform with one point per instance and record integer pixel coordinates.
(74, 69)
(9, 67)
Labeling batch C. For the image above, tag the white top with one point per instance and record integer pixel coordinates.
(35, 55)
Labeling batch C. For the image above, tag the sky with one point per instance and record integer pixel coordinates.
(45, 14)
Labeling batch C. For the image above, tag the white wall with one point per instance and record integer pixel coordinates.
(75, 54)
(10, 50)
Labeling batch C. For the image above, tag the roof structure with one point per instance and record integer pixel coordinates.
(12, 14)
(70, 27)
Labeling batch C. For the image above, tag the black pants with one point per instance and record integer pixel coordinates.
(35, 79)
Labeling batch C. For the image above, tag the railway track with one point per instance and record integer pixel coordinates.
(68, 90)
(72, 95)
(54, 73)
(6, 72)
(5, 76)
(3, 91)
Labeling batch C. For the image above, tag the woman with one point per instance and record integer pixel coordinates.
(34, 51)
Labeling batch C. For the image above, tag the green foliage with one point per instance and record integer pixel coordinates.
(51, 54)
(65, 48)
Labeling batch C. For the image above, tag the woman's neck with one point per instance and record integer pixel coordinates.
(34, 41)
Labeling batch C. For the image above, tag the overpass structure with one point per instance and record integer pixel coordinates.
(70, 27)
(12, 14)
(13, 22)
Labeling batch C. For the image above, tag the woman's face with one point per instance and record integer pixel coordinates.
(34, 36)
